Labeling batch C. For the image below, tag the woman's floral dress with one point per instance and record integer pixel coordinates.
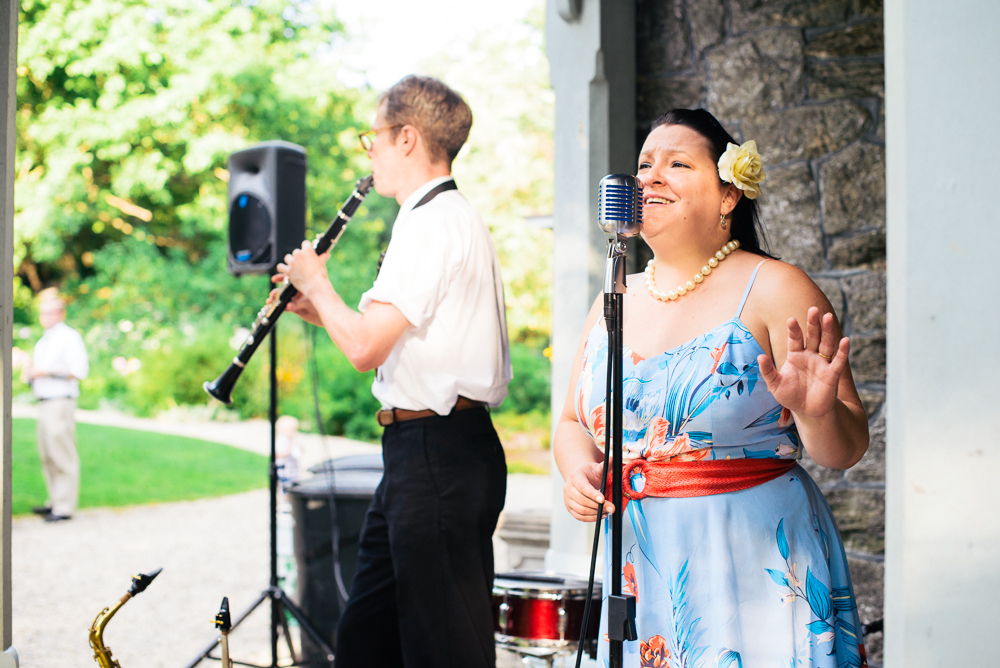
(754, 578)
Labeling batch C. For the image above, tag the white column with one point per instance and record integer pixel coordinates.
(8, 99)
(942, 64)
(592, 63)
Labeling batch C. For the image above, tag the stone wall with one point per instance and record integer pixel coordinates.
(805, 80)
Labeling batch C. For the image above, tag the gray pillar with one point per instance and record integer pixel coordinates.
(591, 50)
(943, 424)
(8, 96)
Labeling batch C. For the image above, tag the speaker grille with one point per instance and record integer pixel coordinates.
(249, 230)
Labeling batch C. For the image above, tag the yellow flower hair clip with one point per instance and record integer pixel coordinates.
(742, 166)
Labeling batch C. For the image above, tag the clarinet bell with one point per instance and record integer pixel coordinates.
(222, 387)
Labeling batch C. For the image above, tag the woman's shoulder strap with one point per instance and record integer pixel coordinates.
(746, 293)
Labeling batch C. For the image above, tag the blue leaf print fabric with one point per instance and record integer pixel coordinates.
(756, 577)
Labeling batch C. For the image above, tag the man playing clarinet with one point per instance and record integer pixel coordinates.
(434, 328)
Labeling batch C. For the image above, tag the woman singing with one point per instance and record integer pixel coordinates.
(734, 362)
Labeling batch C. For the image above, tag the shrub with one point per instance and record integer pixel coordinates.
(530, 389)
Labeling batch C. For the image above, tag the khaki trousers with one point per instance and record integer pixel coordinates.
(57, 448)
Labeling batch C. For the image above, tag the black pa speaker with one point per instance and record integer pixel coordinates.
(267, 205)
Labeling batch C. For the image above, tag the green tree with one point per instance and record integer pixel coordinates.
(128, 110)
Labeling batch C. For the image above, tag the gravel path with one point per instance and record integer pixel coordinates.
(64, 573)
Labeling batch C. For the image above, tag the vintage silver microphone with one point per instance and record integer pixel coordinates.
(619, 205)
(619, 215)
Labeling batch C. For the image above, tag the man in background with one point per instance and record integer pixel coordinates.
(58, 364)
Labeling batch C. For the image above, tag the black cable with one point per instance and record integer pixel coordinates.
(338, 576)
(600, 508)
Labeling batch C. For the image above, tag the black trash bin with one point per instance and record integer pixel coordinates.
(349, 483)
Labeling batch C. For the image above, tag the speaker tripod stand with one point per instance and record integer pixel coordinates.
(280, 602)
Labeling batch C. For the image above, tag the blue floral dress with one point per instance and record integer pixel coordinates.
(751, 578)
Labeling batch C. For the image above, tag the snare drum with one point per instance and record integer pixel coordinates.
(543, 611)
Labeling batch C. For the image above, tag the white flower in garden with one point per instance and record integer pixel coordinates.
(126, 367)
(742, 166)
(126, 326)
(120, 364)
(239, 336)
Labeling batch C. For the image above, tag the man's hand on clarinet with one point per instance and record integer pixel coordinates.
(306, 271)
(300, 305)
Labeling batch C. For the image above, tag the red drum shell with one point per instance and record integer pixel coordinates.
(533, 612)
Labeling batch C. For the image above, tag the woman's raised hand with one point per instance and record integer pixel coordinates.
(808, 380)
(581, 494)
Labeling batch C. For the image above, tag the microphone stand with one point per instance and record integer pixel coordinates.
(621, 609)
(619, 215)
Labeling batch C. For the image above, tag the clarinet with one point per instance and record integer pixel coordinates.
(222, 387)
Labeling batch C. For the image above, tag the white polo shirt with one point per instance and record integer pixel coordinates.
(443, 274)
(60, 351)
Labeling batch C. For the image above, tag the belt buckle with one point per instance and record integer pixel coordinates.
(385, 417)
(627, 490)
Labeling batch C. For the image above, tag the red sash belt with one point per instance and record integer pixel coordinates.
(701, 478)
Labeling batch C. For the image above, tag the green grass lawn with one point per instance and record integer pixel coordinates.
(123, 467)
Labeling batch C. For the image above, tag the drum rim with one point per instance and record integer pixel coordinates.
(544, 595)
(510, 642)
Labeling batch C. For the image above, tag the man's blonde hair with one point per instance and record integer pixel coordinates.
(439, 113)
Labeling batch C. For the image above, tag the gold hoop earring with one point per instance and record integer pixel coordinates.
(722, 220)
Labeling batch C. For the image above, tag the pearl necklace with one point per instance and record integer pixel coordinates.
(682, 290)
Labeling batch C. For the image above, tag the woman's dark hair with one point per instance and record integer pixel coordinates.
(746, 225)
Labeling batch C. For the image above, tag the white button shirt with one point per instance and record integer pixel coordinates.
(60, 351)
(443, 274)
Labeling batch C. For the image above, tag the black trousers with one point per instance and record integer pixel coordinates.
(422, 593)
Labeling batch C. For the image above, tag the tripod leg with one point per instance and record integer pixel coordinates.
(236, 622)
(288, 637)
(305, 624)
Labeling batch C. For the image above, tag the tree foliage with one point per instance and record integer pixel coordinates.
(506, 168)
(127, 111)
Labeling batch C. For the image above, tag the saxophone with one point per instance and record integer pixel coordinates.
(102, 654)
